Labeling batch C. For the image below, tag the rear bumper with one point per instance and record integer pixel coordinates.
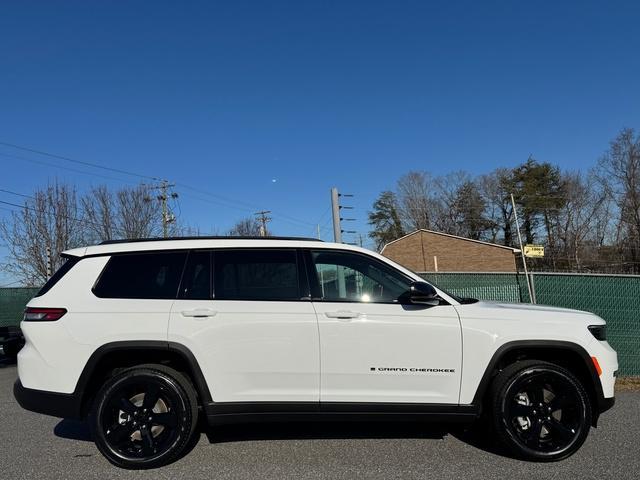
(61, 405)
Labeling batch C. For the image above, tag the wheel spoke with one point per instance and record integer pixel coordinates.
(535, 393)
(126, 405)
(565, 433)
(147, 441)
(168, 419)
(520, 410)
(151, 397)
(560, 402)
(532, 436)
(119, 434)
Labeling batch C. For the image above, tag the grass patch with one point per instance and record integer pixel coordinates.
(628, 384)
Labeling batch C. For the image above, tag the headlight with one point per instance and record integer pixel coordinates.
(599, 331)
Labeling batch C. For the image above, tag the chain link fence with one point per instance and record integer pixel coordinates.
(12, 302)
(616, 298)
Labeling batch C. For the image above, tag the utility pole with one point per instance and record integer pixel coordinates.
(263, 219)
(163, 198)
(337, 217)
(524, 259)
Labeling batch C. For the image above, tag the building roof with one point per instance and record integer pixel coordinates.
(514, 250)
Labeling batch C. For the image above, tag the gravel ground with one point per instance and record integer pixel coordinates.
(40, 447)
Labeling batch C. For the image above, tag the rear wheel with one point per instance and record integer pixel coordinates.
(540, 410)
(144, 417)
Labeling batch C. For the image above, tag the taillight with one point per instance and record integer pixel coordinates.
(32, 314)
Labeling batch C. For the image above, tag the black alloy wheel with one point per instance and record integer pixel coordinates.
(541, 411)
(144, 417)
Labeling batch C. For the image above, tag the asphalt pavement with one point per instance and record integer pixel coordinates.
(34, 446)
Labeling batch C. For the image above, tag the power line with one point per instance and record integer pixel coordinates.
(80, 162)
(75, 170)
(243, 205)
(16, 193)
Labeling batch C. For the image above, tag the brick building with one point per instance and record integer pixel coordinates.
(429, 251)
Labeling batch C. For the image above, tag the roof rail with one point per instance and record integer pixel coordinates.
(214, 237)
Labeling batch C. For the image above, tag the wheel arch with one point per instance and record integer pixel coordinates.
(118, 355)
(567, 354)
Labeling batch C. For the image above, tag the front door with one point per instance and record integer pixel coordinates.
(374, 346)
(242, 314)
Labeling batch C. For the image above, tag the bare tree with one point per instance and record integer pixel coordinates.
(582, 218)
(138, 215)
(100, 212)
(46, 225)
(247, 227)
(620, 174)
(414, 199)
(127, 213)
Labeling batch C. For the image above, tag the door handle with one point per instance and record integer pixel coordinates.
(199, 313)
(343, 314)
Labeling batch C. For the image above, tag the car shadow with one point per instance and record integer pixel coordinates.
(73, 430)
(475, 437)
(7, 362)
(321, 430)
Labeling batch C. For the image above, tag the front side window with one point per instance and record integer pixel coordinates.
(352, 277)
(256, 275)
(141, 275)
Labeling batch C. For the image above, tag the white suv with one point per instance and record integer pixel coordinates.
(145, 337)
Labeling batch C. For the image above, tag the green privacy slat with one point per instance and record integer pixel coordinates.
(12, 302)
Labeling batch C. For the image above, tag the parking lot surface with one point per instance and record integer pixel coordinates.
(40, 447)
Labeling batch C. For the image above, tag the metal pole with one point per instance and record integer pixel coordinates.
(48, 262)
(524, 260)
(335, 207)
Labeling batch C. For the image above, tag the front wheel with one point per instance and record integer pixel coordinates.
(144, 417)
(540, 410)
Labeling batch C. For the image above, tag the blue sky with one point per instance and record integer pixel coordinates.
(228, 96)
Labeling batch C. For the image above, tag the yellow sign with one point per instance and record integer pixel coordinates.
(535, 251)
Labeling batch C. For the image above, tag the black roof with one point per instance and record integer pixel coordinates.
(216, 237)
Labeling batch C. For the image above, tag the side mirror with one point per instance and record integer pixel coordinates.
(422, 293)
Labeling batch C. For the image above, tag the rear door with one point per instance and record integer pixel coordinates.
(246, 316)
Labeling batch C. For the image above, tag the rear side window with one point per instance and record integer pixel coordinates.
(196, 281)
(55, 278)
(141, 275)
(256, 275)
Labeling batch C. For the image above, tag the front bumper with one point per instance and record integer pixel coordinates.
(61, 405)
(605, 404)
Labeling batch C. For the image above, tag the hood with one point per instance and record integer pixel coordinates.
(526, 312)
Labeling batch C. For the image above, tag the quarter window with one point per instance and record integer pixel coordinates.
(256, 275)
(350, 277)
(141, 275)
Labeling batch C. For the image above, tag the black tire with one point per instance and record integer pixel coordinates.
(540, 410)
(144, 417)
